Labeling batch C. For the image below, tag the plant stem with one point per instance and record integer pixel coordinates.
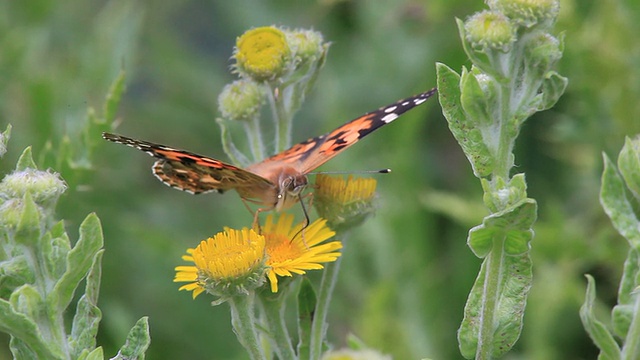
(490, 295)
(631, 349)
(252, 129)
(281, 118)
(273, 310)
(319, 326)
(243, 322)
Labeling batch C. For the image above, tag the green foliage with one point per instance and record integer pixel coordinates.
(625, 316)
(485, 108)
(42, 271)
(59, 56)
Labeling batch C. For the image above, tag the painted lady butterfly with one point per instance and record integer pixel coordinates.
(276, 182)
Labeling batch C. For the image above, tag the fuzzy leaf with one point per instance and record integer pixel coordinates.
(113, 97)
(516, 281)
(28, 230)
(28, 339)
(469, 137)
(629, 165)
(598, 332)
(617, 206)
(88, 315)
(79, 261)
(306, 307)
(137, 343)
(474, 102)
(26, 160)
(4, 140)
(514, 224)
(553, 86)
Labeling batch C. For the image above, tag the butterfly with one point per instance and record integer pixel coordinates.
(276, 182)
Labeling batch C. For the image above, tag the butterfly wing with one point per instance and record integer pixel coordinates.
(191, 172)
(310, 154)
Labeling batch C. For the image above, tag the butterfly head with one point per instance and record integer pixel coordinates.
(291, 183)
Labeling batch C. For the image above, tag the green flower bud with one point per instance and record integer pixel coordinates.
(240, 100)
(543, 52)
(489, 29)
(45, 187)
(307, 45)
(527, 12)
(262, 53)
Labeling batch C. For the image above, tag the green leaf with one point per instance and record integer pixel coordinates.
(617, 206)
(473, 101)
(29, 229)
(515, 281)
(113, 97)
(23, 329)
(88, 315)
(513, 224)
(79, 261)
(96, 354)
(137, 342)
(307, 302)
(467, 135)
(597, 330)
(4, 140)
(629, 165)
(553, 86)
(26, 160)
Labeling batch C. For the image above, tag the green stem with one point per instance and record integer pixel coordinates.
(490, 296)
(243, 322)
(319, 326)
(631, 349)
(281, 118)
(254, 135)
(273, 311)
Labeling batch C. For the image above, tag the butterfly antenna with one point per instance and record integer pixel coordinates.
(306, 221)
(381, 171)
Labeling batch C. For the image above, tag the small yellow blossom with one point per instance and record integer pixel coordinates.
(229, 264)
(262, 53)
(293, 250)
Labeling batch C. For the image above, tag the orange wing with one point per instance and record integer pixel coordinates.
(310, 154)
(192, 172)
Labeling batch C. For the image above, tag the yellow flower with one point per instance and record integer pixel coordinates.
(344, 203)
(262, 53)
(293, 250)
(229, 264)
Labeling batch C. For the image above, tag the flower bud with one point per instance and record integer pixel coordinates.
(306, 44)
(240, 100)
(490, 29)
(527, 12)
(44, 186)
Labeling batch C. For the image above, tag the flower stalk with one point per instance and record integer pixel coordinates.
(243, 322)
(512, 77)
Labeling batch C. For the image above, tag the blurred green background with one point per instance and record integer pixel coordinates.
(406, 272)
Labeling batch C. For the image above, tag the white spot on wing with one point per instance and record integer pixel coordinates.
(390, 109)
(389, 118)
(419, 101)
